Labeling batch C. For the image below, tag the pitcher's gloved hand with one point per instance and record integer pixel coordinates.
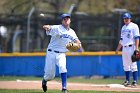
(73, 46)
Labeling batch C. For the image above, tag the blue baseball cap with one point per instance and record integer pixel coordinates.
(127, 16)
(64, 15)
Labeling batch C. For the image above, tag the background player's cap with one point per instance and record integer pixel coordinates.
(127, 15)
(64, 15)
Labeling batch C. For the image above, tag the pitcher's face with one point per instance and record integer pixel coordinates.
(66, 21)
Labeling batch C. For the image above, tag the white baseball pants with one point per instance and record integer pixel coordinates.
(128, 65)
(53, 59)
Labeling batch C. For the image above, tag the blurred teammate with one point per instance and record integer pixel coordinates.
(60, 36)
(129, 42)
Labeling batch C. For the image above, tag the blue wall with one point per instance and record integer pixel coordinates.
(22, 66)
(94, 65)
(105, 65)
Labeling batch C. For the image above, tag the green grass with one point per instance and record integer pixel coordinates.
(55, 91)
(13, 78)
(79, 80)
(96, 81)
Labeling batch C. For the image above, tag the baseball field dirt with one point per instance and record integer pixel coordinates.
(24, 84)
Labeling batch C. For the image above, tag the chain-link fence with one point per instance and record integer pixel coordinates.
(97, 33)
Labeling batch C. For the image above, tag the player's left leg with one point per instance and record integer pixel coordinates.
(134, 69)
(134, 73)
(63, 71)
(64, 82)
(134, 83)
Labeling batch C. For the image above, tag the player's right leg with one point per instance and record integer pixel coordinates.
(127, 81)
(44, 85)
(49, 70)
(126, 66)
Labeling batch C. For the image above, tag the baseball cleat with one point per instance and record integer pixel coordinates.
(44, 86)
(64, 91)
(134, 84)
(126, 84)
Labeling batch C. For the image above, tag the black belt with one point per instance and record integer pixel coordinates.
(55, 51)
(128, 46)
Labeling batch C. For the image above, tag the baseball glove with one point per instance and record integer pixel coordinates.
(73, 46)
(136, 56)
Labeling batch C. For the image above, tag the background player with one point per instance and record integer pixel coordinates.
(129, 42)
(60, 36)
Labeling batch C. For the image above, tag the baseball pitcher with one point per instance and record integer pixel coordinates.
(62, 38)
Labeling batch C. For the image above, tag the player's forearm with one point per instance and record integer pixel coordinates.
(78, 41)
(137, 44)
(119, 46)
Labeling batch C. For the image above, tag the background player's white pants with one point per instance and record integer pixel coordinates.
(53, 59)
(128, 65)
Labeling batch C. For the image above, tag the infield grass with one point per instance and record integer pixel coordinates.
(72, 79)
(55, 91)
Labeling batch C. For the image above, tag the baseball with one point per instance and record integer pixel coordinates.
(42, 14)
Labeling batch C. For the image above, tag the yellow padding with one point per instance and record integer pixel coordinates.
(105, 53)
